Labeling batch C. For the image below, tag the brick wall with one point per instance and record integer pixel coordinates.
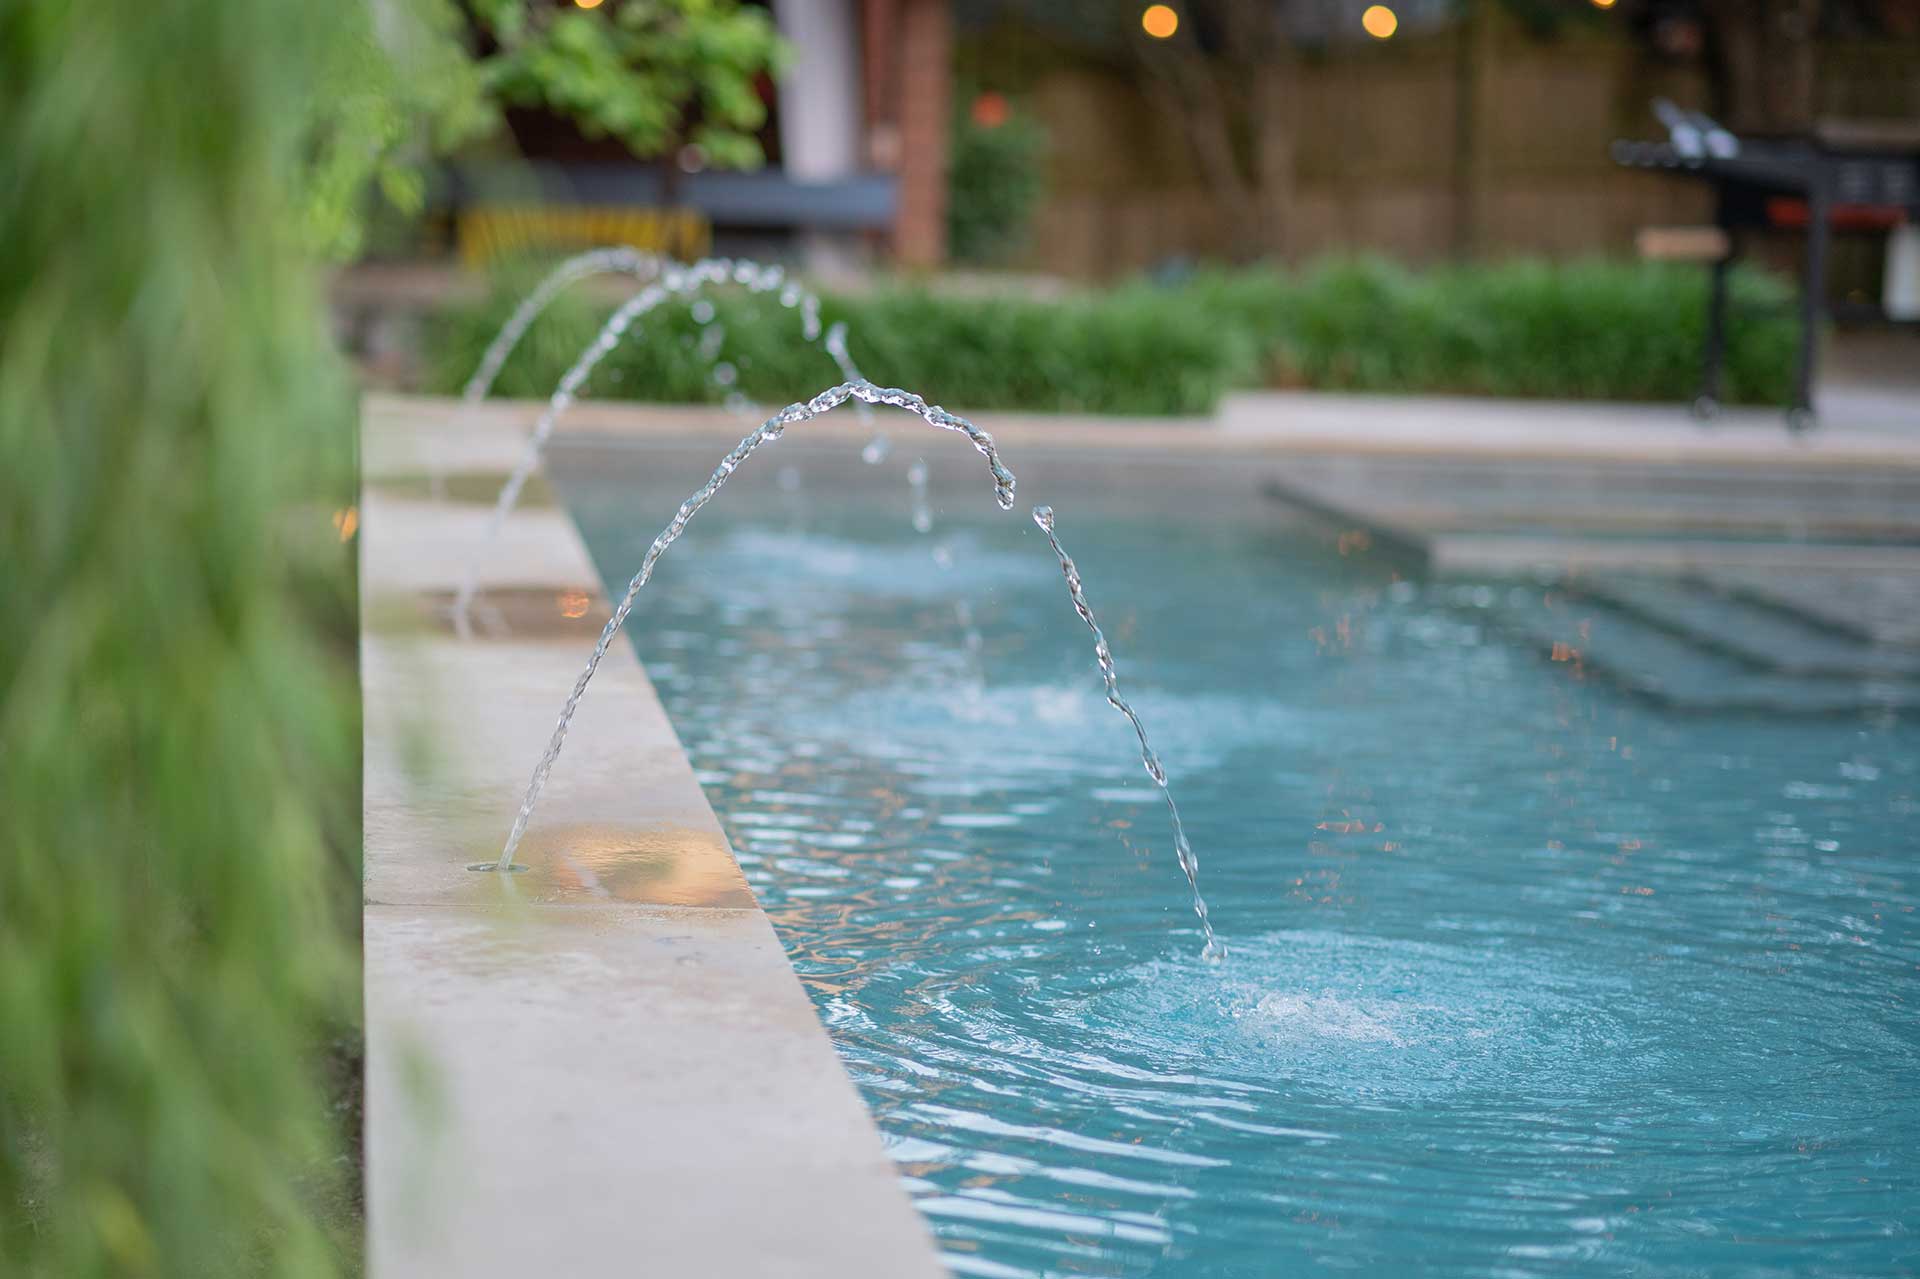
(926, 95)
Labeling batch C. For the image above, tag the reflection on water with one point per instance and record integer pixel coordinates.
(1525, 978)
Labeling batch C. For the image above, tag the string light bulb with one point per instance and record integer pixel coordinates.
(1379, 21)
(1159, 21)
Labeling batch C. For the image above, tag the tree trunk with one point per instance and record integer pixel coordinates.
(1237, 108)
(1278, 97)
(1183, 87)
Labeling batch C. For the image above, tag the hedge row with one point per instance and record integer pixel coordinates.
(1587, 330)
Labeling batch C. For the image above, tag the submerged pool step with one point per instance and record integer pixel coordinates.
(1650, 661)
(1765, 639)
(1882, 609)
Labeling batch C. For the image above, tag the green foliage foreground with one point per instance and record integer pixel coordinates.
(178, 751)
(1588, 330)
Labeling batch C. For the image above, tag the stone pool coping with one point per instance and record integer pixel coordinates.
(605, 1065)
(1270, 423)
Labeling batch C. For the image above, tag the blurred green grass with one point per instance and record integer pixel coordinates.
(1583, 330)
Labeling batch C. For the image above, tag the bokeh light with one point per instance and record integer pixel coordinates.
(1380, 22)
(990, 110)
(1159, 21)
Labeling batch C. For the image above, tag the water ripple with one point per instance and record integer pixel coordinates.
(1525, 980)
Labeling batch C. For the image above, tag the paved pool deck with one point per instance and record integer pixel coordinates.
(1865, 425)
(605, 1065)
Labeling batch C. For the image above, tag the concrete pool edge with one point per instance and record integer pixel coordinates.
(608, 1061)
(1278, 424)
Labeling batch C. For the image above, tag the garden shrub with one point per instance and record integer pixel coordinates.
(1136, 350)
(994, 180)
(1592, 329)
(1583, 330)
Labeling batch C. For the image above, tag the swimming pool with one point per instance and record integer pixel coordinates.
(1526, 976)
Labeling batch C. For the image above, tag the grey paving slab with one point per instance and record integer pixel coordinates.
(1499, 555)
(1615, 497)
(622, 817)
(588, 1091)
(1463, 426)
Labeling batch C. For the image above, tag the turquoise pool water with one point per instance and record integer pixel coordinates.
(1526, 977)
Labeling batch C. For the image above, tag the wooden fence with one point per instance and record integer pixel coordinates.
(1380, 163)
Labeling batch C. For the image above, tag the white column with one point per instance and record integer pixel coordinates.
(820, 92)
(820, 113)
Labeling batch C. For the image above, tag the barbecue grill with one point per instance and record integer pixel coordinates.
(1818, 186)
